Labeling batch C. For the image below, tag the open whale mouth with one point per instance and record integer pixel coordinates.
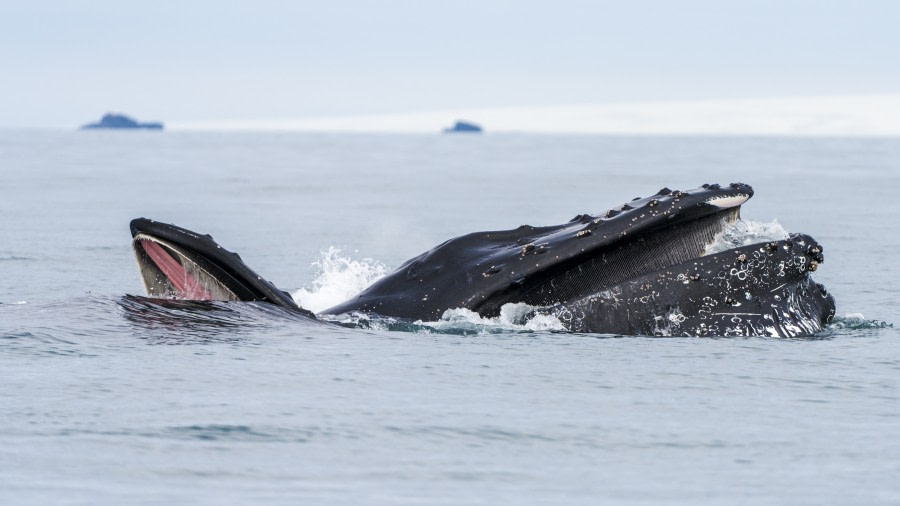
(176, 263)
(172, 272)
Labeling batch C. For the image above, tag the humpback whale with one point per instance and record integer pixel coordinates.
(640, 268)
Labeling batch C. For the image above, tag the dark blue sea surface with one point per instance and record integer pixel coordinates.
(107, 397)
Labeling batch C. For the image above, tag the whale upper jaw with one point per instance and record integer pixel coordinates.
(565, 268)
(178, 263)
(551, 264)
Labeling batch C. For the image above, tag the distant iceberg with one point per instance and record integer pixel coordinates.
(463, 127)
(121, 121)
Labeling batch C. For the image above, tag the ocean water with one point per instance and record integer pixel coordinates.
(107, 398)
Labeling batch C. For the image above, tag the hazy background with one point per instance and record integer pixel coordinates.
(65, 63)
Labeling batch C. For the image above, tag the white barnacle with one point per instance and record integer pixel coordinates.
(677, 317)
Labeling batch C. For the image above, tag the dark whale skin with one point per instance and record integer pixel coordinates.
(757, 290)
(637, 269)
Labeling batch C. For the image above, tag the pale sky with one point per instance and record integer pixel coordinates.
(65, 63)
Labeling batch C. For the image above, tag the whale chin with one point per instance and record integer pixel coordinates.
(761, 289)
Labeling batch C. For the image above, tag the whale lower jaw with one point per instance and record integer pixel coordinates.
(758, 290)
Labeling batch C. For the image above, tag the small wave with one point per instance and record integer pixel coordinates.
(170, 321)
(211, 432)
(515, 317)
(518, 317)
(38, 336)
(856, 321)
(14, 258)
(358, 320)
(214, 432)
(338, 278)
(744, 233)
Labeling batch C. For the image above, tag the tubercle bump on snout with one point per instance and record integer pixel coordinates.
(805, 248)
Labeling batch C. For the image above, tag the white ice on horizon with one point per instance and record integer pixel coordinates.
(863, 115)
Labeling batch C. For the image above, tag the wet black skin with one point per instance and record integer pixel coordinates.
(613, 273)
(757, 290)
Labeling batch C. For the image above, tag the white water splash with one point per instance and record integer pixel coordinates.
(744, 233)
(856, 321)
(518, 316)
(338, 278)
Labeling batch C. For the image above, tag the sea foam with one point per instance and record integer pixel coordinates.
(744, 233)
(338, 277)
(518, 316)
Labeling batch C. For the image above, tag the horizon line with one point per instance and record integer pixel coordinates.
(825, 115)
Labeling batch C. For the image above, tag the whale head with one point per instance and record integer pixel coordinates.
(563, 265)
